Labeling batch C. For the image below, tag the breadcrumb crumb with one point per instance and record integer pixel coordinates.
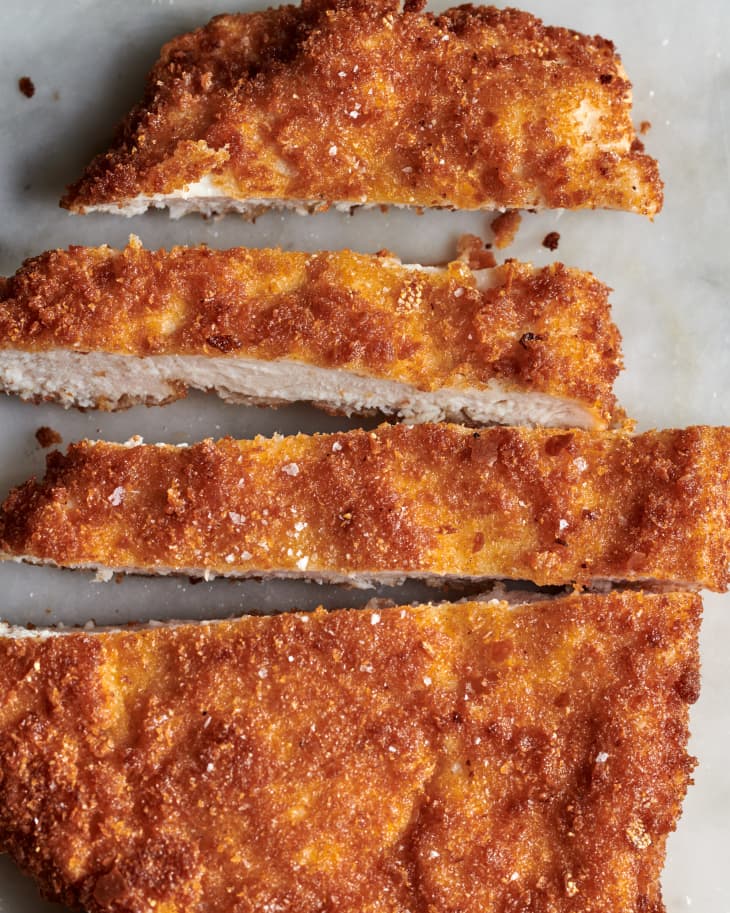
(551, 240)
(47, 437)
(26, 86)
(505, 228)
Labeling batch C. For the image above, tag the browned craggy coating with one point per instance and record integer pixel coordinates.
(425, 500)
(362, 102)
(546, 330)
(406, 760)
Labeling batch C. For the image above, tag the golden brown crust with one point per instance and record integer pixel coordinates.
(361, 102)
(425, 500)
(462, 757)
(536, 330)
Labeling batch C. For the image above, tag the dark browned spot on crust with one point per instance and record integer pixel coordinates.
(224, 343)
(527, 338)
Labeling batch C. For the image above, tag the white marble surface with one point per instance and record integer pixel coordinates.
(88, 59)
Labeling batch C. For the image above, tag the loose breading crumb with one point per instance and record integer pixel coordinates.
(47, 436)
(472, 250)
(26, 86)
(505, 228)
(551, 240)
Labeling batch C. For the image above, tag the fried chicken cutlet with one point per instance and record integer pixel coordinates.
(364, 103)
(432, 501)
(96, 327)
(456, 757)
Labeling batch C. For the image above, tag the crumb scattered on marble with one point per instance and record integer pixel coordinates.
(26, 86)
(471, 250)
(644, 127)
(47, 437)
(551, 240)
(505, 228)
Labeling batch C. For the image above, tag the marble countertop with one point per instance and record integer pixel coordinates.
(88, 60)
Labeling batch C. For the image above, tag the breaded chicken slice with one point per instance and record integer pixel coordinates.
(472, 757)
(437, 502)
(96, 327)
(364, 103)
